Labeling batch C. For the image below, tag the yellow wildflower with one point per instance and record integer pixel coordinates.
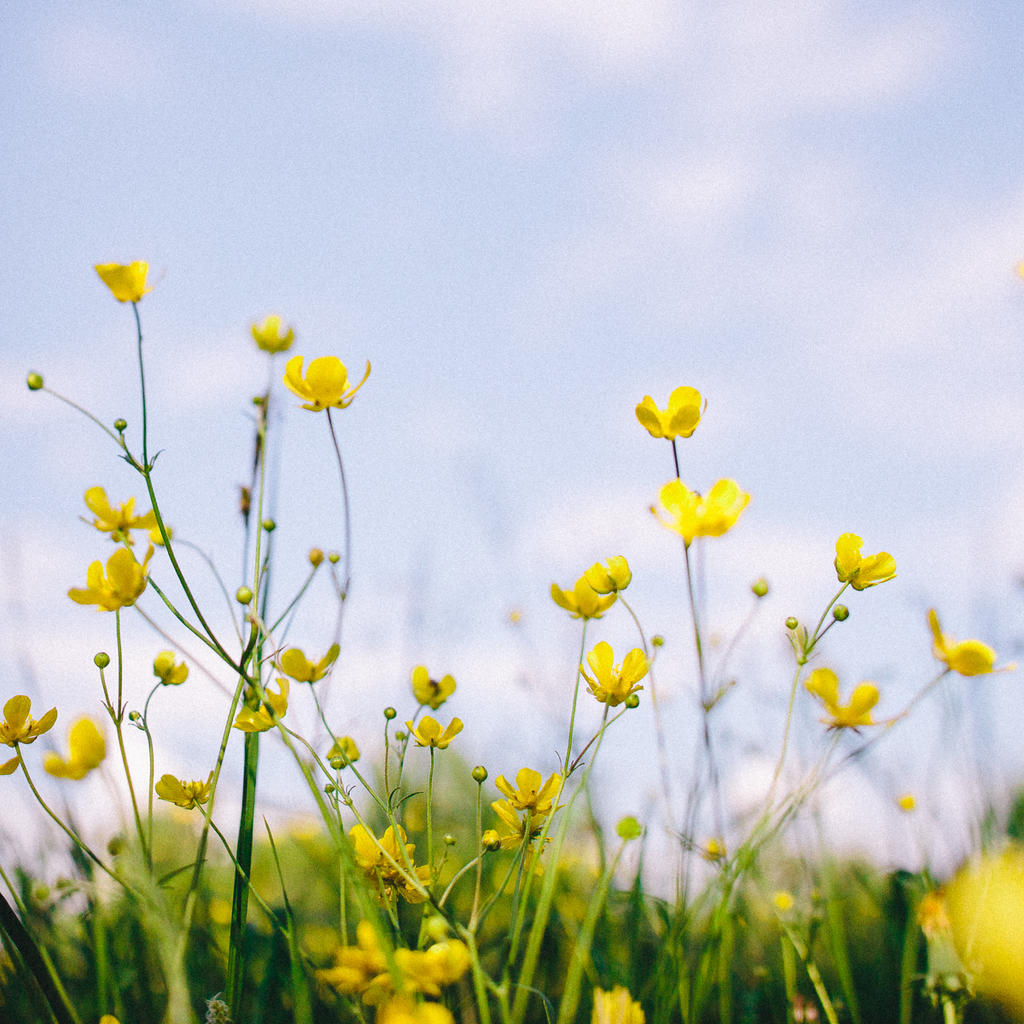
(907, 802)
(968, 657)
(384, 860)
(182, 793)
(120, 587)
(427, 970)
(86, 750)
(355, 966)
(516, 828)
(19, 727)
(680, 419)
(120, 521)
(609, 577)
(932, 915)
(428, 733)
(343, 751)
(528, 794)
(692, 515)
(783, 901)
(270, 337)
(264, 717)
(295, 664)
(126, 281)
(583, 601)
(611, 684)
(325, 384)
(824, 684)
(403, 1009)
(713, 850)
(616, 1007)
(860, 571)
(431, 692)
(169, 671)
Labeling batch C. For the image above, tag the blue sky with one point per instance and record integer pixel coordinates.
(527, 217)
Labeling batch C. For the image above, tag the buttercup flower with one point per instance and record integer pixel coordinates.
(86, 750)
(295, 664)
(120, 521)
(862, 572)
(379, 857)
(325, 384)
(692, 515)
(431, 692)
(616, 1007)
(428, 733)
(611, 576)
(126, 281)
(583, 601)
(182, 793)
(516, 828)
(528, 793)
(824, 684)
(403, 1009)
(907, 802)
(356, 966)
(270, 337)
(168, 671)
(343, 750)
(262, 718)
(120, 587)
(19, 727)
(611, 684)
(680, 419)
(968, 657)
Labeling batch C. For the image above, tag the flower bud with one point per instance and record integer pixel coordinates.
(760, 587)
(390, 713)
(401, 735)
(134, 716)
(632, 701)
(334, 558)
(490, 840)
(269, 525)
(840, 613)
(657, 640)
(337, 762)
(792, 622)
(34, 381)
(120, 425)
(479, 773)
(115, 844)
(101, 660)
(243, 595)
(449, 839)
(316, 556)
(330, 787)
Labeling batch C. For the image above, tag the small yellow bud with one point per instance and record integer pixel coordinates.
(269, 525)
(334, 558)
(490, 840)
(657, 640)
(243, 595)
(760, 587)
(120, 425)
(840, 613)
(34, 381)
(792, 622)
(101, 660)
(390, 713)
(316, 556)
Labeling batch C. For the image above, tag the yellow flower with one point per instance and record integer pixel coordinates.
(344, 751)
(124, 581)
(611, 684)
(824, 684)
(861, 572)
(442, 963)
(516, 828)
(583, 601)
(18, 727)
(168, 671)
(182, 793)
(907, 802)
(616, 1007)
(968, 657)
(120, 521)
(783, 900)
(264, 717)
(713, 850)
(325, 383)
(528, 793)
(611, 576)
(403, 1009)
(431, 692)
(680, 419)
(269, 336)
(355, 966)
(86, 750)
(428, 733)
(692, 515)
(126, 281)
(384, 860)
(295, 664)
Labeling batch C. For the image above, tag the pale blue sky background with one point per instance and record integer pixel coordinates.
(528, 216)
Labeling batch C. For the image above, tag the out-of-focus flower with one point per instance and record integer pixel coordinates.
(325, 383)
(528, 794)
(431, 692)
(713, 850)
(295, 664)
(906, 802)
(680, 419)
(427, 970)
(860, 571)
(86, 750)
(121, 585)
(968, 657)
(19, 727)
(316, 556)
(583, 601)
(182, 793)
(616, 1007)
(824, 684)
(403, 1009)
(127, 281)
(265, 716)
(384, 860)
(783, 900)
(691, 514)
(356, 966)
(273, 335)
(120, 521)
(169, 671)
(610, 576)
(429, 734)
(610, 683)
(343, 750)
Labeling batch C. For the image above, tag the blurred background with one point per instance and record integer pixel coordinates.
(528, 216)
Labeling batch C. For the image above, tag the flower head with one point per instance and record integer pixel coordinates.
(431, 692)
(680, 419)
(121, 585)
(824, 684)
(295, 664)
(968, 657)
(384, 859)
(343, 752)
(19, 727)
(609, 577)
(616, 1007)
(266, 714)
(86, 750)
(270, 337)
(528, 794)
(428, 733)
(325, 384)
(692, 515)
(612, 684)
(862, 572)
(120, 521)
(126, 281)
(169, 671)
(583, 601)
(182, 793)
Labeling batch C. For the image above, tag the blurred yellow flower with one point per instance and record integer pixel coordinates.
(385, 860)
(86, 750)
(355, 966)
(528, 794)
(824, 684)
(273, 335)
(120, 587)
(616, 1007)
(19, 727)
(680, 419)
(610, 576)
(295, 664)
(265, 716)
(169, 671)
(860, 571)
(120, 521)
(612, 684)
(325, 384)
(692, 515)
(403, 1009)
(344, 751)
(783, 901)
(428, 733)
(583, 601)
(907, 802)
(968, 657)
(182, 793)
(713, 850)
(426, 970)
(126, 281)
(431, 692)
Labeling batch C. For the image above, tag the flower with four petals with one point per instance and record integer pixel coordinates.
(429, 692)
(680, 419)
(429, 734)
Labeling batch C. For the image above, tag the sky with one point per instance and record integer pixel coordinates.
(528, 217)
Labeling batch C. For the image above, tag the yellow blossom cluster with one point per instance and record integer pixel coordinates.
(524, 810)
(389, 861)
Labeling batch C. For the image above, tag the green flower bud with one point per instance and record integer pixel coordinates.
(337, 762)
(449, 839)
(243, 595)
(390, 713)
(479, 773)
(629, 828)
(792, 622)
(34, 381)
(632, 701)
(657, 640)
(334, 558)
(120, 425)
(760, 587)
(134, 716)
(840, 613)
(269, 525)
(115, 845)
(101, 660)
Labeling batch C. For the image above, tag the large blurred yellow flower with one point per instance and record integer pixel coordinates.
(583, 601)
(120, 521)
(691, 514)
(86, 750)
(325, 383)
(295, 664)
(610, 683)
(968, 657)
(126, 281)
(824, 684)
(616, 1007)
(680, 419)
(860, 571)
(431, 692)
(121, 585)
(270, 337)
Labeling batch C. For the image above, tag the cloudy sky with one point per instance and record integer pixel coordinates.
(527, 217)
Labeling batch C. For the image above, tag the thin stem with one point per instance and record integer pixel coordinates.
(118, 720)
(346, 510)
(575, 698)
